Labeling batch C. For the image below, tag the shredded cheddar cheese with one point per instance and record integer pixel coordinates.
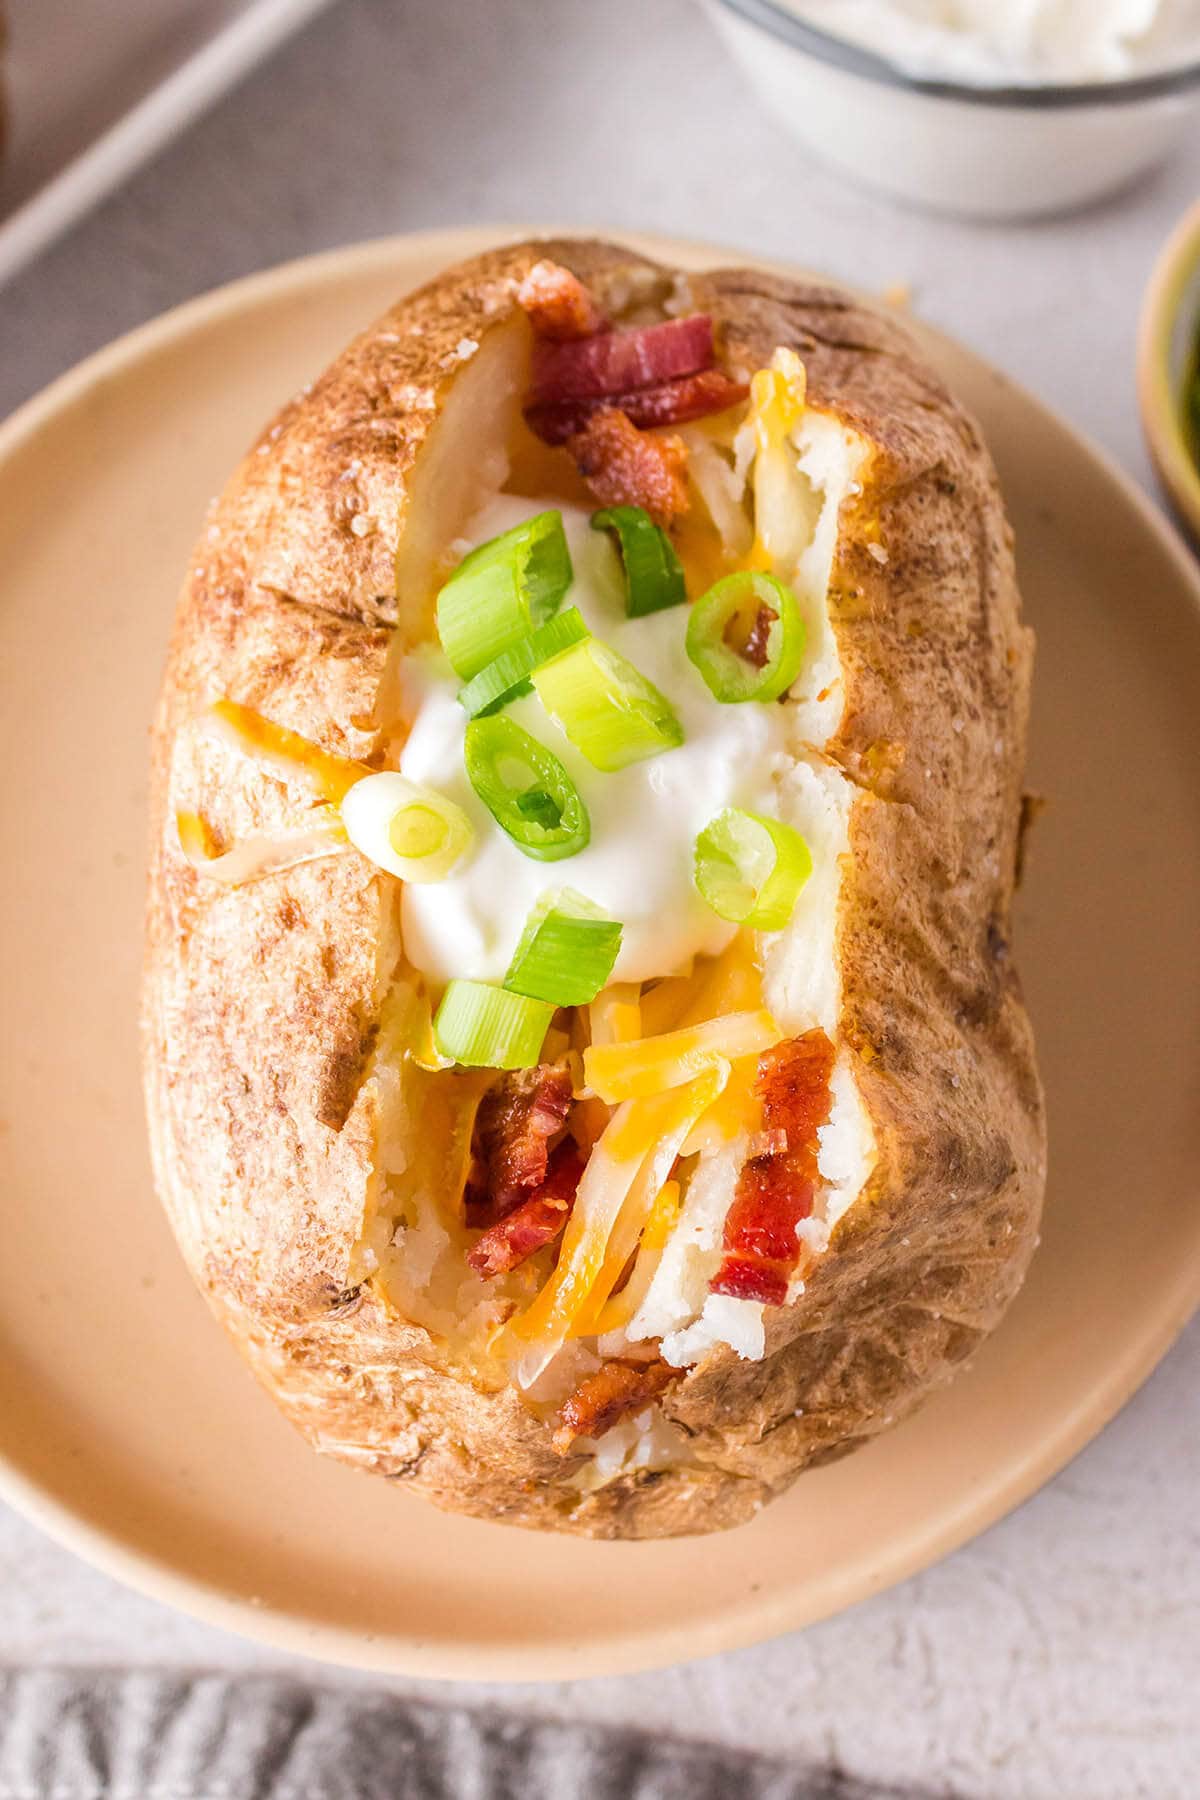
(286, 752)
(195, 839)
(615, 1016)
(617, 1311)
(777, 397)
(261, 854)
(620, 1185)
(729, 1113)
(777, 401)
(647, 1066)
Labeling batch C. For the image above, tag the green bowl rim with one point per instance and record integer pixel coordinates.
(1159, 400)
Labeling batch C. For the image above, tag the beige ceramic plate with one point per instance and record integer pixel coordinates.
(128, 1427)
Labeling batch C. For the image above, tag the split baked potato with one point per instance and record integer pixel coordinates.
(756, 1159)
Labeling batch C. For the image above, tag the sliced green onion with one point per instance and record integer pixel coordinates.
(608, 711)
(508, 676)
(764, 613)
(653, 572)
(526, 789)
(750, 869)
(567, 950)
(412, 831)
(485, 1027)
(502, 591)
(417, 830)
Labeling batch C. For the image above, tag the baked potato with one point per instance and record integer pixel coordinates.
(585, 1063)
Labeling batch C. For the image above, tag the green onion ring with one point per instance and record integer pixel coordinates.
(750, 869)
(532, 799)
(751, 599)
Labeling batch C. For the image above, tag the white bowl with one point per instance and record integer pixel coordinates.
(991, 152)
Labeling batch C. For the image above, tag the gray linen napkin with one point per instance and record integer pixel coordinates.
(87, 1735)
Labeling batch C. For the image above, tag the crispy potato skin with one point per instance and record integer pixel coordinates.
(261, 1004)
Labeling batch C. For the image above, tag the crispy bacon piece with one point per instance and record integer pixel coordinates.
(617, 362)
(614, 1390)
(622, 466)
(516, 1120)
(668, 403)
(775, 1191)
(534, 1222)
(756, 647)
(793, 1086)
(761, 1248)
(559, 306)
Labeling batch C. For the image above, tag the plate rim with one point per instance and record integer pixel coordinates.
(765, 1615)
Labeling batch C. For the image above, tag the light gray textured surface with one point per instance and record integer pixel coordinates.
(1059, 1654)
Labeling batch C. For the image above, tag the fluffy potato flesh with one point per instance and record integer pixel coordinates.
(788, 471)
(851, 476)
(463, 461)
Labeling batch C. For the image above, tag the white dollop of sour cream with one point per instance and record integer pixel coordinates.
(644, 819)
(992, 42)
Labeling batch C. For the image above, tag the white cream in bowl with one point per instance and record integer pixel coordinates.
(1002, 42)
(988, 108)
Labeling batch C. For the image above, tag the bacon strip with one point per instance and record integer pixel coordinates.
(667, 403)
(559, 306)
(614, 1390)
(625, 468)
(511, 1145)
(776, 1191)
(616, 362)
(534, 1223)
